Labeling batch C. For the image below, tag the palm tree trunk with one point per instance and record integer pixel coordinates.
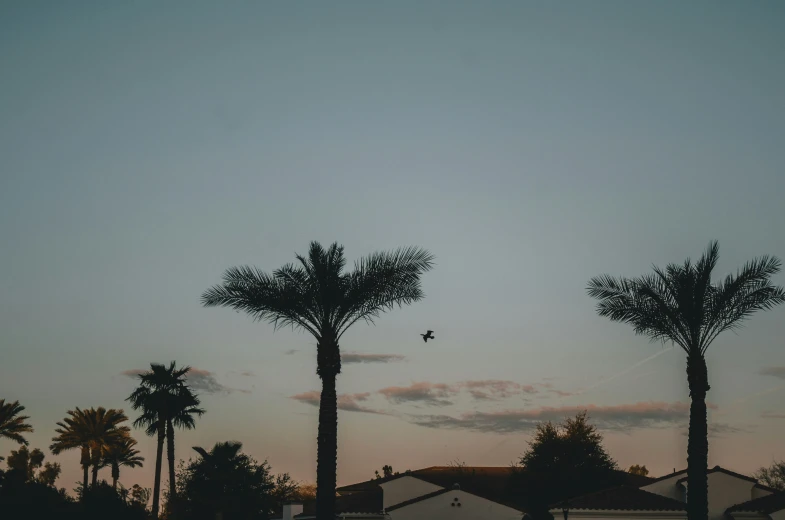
(95, 474)
(158, 460)
(698, 440)
(85, 461)
(327, 449)
(115, 474)
(170, 456)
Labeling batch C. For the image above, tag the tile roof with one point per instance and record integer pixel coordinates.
(766, 505)
(367, 501)
(625, 498)
(717, 469)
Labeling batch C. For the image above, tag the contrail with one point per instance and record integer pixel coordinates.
(623, 372)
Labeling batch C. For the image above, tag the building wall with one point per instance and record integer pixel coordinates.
(778, 515)
(405, 488)
(758, 492)
(725, 491)
(622, 515)
(440, 508)
(667, 488)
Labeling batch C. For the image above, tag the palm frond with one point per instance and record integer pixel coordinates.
(13, 425)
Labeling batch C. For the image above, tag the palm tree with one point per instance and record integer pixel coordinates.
(165, 400)
(318, 297)
(121, 453)
(13, 425)
(91, 431)
(680, 304)
(184, 406)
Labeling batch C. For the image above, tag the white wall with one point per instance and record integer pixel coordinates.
(405, 488)
(667, 487)
(778, 515)
(758, 492)
(622, 515)
(725, 491)
(472, 508)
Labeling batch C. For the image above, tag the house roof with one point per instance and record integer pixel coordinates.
(493, 483)
(766, 505)
(418, 499)
(715, 469)
(625, 498)
(367, 501)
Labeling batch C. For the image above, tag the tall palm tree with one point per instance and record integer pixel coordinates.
(121, 453)
(680, 304)
(13, 425)
(318, 297)
(184, 407)
(91, 431)
(164, 398)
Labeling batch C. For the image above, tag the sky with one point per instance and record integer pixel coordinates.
(145, 147)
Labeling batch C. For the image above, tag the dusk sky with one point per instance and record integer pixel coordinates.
(146, 146)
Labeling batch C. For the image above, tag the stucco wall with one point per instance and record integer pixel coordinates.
(667, 488)
(405, 488)
(758, 492)
(779, 515)
(472, 508)
(725, 491)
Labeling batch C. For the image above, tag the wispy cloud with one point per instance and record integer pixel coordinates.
(346, 402)
(773, 415)
(616, 418)
(290, 352)
(778, 372)
(356, 357)
(493, 389)
(442, 394)
(435, 394)
(198, 379)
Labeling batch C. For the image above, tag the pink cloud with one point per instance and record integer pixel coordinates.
(346, 402)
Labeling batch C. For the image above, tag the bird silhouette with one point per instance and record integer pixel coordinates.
(428, 335)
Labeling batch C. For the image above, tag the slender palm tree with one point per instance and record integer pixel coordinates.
(164, 398)
(13, 425)
(182, 411)
(317, 296)
(680, 304)
(121, 453)
(91, 431)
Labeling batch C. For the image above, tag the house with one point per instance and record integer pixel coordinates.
(732, 496)
(436, 493)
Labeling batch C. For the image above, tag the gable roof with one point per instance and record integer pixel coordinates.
(368, 501)
(625, 498)
(766, 505)
(716, 469)
(418, 499)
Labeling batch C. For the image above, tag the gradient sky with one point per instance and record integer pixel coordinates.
(147, 146)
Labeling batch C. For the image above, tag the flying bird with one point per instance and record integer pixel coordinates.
(428, 335)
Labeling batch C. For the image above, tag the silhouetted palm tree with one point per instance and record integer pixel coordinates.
(680, 304)
(91, 431)
(13, 425)
(121, 453)
(165, 401)
(318, 297)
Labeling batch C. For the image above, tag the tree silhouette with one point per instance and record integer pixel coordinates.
(13, 425)
(680, 304)
(318, 297)
(121, 453)
(91, 431)
(165, 401)
(773, 476)
(638, 470)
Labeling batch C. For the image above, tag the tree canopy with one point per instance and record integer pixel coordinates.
(773, 476)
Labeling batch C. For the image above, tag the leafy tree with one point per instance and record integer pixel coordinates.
(26, 462)
(49, 474)
(565, 460)
(121, 453)
(680, 304)
(305, 491)
(166, 402)
(13, 425)
(638, 470)
(91, 431)
(773, 476)
(140, 496)
(318, 297)
(227, 482)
